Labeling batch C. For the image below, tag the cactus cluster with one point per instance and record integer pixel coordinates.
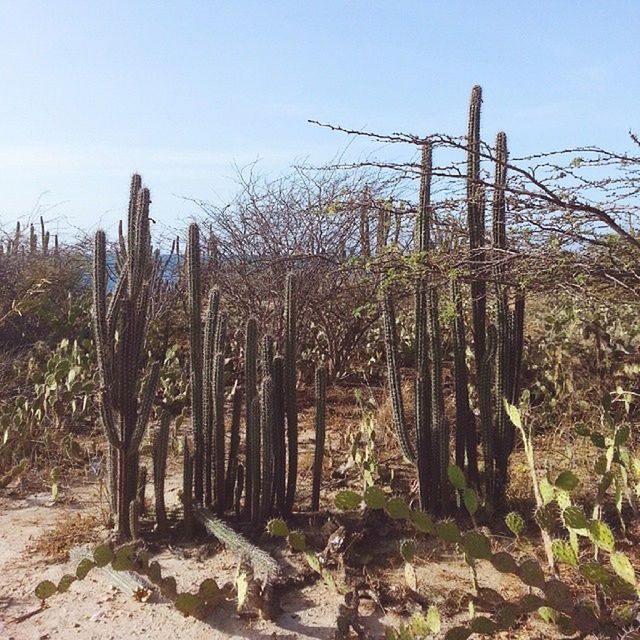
(128, 381)
(264, 482)
(497, 340)
(15, 246)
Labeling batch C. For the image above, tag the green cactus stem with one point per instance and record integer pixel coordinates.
(160, 450)
(290, 384)
(320, 424)
(194, 268)
(234, 445)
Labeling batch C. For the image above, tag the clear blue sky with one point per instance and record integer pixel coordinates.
(91, 91)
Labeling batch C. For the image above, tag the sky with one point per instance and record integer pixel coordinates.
(186, 92)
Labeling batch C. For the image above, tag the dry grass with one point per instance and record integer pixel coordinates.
(68, 532)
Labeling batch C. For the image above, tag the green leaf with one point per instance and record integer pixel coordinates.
(574, 518)
(546, 491)
(484, 625)
(476, 545)
(548, 614)
(347, 500)
(566, 481)
(457, 633)
(410, 576)
(84, 566)
(470, 499)
(433, 620)
(313, 561)
(297, 541)
(123, 559)
(456, 477)
(515, 523)
(601, 535)
(448, 531)
(374, 498)
(422, 521)
(45, 590)
(595, 573)
(188, 603)
(563, 552)
(623, 567)
(408, 550)
(514, 414)
(531, 574)
(102, 555)
(504, 562)
(397, 509)
(622, 435)
(65, 582)
(277, 528)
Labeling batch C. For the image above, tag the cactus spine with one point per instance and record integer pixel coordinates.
(119, 332)
(321, 412)
(290, 379)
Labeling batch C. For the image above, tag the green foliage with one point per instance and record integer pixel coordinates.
(515, 523)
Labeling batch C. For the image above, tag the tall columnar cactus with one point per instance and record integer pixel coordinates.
(279, 438)
(466, 438)
(252, 437)
(219, 433)
(267, 355)
(160, 450)
(267, 429)
(196, 357)
(254, 464)
(321, 412)
(127, 382)
(477, 256)
(509, 327)
(393, 373)
(426, 440)
(210, 330)
(187, 488)
(290, 382)
(234, 445)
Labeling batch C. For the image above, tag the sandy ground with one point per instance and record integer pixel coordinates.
(92, 609)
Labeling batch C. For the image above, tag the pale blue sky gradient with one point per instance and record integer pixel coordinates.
(180, 91)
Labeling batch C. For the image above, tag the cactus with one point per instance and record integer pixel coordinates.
(160, 449)
(234, 444)
(259, 559)
(252, 437)
(439, 426)
(239, 488)
(267, 429)
(267, 355)
(208, 375)
(393, 373)
(466, 439)
(119, 330)
(509, 328)
(219, 440)
(187, 489)
(279, 442)
(196, 356)
(254, 465)
(321, 411)
(290, 394)
(134, 518)
(141, 490)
